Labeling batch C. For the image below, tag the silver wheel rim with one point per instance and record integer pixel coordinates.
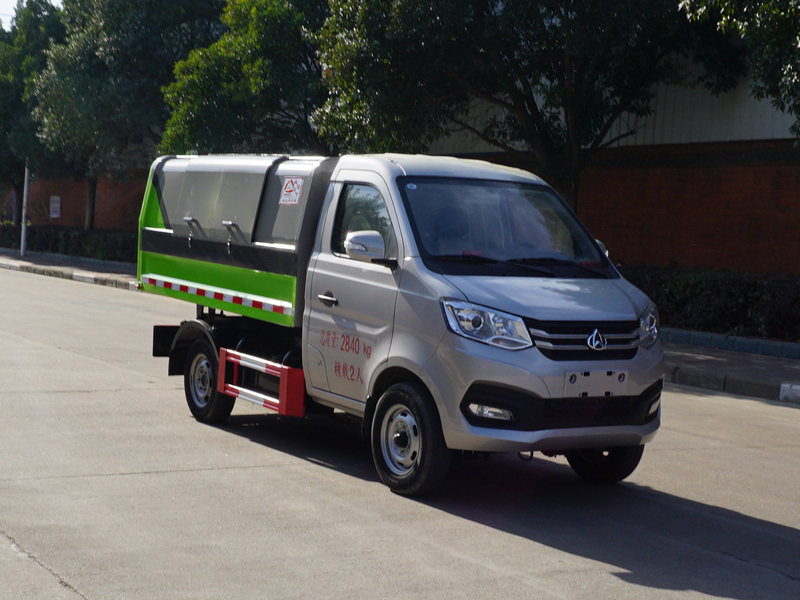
(400, 440)
(201, 381)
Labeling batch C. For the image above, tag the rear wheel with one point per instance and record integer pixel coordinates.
(200, 385)
(408, 446)
(605, 465)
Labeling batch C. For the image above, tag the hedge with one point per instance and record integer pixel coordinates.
(99, 244)
(762, 306)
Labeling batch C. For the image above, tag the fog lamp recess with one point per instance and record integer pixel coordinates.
(491, 412)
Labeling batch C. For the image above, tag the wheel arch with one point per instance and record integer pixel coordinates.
(188, 334)
(386, 379)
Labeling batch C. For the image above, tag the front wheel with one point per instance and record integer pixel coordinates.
(200, 385)
(408, 446)
(605, 465)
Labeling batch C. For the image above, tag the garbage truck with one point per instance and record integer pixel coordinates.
(450, 305)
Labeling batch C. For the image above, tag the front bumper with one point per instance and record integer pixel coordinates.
(531, 387)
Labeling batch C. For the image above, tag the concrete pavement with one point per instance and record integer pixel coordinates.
(109, 489)
(741, 366)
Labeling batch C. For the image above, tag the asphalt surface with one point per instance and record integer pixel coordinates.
(760, 369)
(110, 490)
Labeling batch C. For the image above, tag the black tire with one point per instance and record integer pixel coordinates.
(605, 465)
(200, 385)
(408, 446)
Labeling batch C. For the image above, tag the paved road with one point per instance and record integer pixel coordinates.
(110, 490)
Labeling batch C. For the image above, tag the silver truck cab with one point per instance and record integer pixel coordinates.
(460, 305)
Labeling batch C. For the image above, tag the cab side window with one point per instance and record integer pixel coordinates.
(362, 208)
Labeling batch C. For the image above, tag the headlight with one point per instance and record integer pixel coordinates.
(486, 325)
(648, 327)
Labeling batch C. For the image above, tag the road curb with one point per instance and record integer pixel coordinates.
(66, 273)
(85, 261)
(731, 343)
(707, 380)
(790, 392)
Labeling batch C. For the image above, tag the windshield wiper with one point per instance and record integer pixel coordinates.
(472, 258)
(547, 261)
(485, 260)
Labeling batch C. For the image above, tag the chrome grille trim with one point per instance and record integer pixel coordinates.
(575, 336)
(548, 337)
(549, 346)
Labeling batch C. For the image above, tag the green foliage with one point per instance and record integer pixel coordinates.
(763, 306)
(100, 101)
(22, 56)
(101, 245)
(550, 77)
(255, 89)
(771, 29)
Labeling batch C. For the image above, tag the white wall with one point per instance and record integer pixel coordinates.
(691, 115)
(680, 115)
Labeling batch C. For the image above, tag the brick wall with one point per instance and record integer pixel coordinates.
(117, 207)
(732, 205)
(727, 206)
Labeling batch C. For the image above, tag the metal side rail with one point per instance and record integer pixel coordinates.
(292, 391)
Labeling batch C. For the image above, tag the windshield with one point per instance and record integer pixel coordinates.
(467, 226)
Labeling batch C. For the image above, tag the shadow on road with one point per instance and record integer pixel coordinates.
(657, 540)
(334, 442)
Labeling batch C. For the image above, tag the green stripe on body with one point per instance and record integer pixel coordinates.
(245, 281)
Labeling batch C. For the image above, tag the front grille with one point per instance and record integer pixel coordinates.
(568, 340)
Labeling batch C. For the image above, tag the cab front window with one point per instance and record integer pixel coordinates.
(475, 225)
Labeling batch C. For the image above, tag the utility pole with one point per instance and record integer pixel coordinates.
(25, 193)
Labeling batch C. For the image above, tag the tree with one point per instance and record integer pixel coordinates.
(8, 161)
(256, 88)
(99, 97)
(771, 28)
(36, 24)
(548, 78)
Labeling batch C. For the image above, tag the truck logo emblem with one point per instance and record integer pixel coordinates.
(596, 341)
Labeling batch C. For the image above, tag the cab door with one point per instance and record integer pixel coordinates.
(350, 306)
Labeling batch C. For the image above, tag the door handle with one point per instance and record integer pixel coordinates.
(328, 299)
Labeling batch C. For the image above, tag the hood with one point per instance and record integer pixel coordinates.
(548, 299)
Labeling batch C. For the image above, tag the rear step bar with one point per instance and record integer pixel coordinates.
(292, 391)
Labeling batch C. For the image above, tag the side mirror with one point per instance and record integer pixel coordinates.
(364, 245)
(368, 246)
(602, 247)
